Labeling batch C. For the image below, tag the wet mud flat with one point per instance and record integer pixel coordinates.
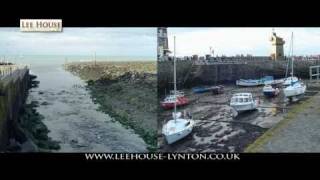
(218, 129)
(126, 91)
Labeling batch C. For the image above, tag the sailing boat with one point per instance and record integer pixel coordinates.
(291, 79)
(296, 87)
(178, 127)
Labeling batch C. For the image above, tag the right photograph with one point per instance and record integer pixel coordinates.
(238, 89)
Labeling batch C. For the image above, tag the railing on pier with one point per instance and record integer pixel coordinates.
(314, 75)
(9, 69)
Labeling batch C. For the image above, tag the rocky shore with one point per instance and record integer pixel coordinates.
(126, 91)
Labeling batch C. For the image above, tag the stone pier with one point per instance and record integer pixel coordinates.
(14, 85)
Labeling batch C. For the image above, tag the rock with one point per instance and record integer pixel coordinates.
(45, 103)
(74, 141)
(29, 146)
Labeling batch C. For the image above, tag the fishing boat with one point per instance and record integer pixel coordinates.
(270, 91)
(296, 87)
(178, 127)
(253, 82)
(243, 102)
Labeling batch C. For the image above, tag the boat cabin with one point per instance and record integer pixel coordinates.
(242, 98)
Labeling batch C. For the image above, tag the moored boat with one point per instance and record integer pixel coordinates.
(290, 80)
(178, 127)
(243, 102)
(270, 91)
(217, 89)
(169, 101)
(274, 82)
(296, 87)
(253, 82)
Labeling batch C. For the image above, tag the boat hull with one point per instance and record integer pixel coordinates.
(294, 91)
(290, 80)
(182, 101)
(247, 83)
(241, 108)
(270, 93)
(244, 106)
(173, 134)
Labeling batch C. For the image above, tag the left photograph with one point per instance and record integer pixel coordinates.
(80, 90)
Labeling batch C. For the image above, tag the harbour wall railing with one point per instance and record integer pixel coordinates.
(8, 69)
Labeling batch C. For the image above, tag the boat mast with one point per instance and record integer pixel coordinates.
(175, 79)
(292, 58)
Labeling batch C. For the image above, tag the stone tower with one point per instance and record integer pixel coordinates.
(163, 47)
(277, 47)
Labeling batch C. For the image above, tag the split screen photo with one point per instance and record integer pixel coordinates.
(160, 90)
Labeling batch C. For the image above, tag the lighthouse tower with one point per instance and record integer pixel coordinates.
(163, 47)
(277, 47)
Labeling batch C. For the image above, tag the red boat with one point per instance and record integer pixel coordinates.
(169, 101)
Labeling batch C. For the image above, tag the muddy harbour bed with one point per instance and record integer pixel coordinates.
(217, 129)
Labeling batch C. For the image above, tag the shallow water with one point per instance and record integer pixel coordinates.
(73, 118)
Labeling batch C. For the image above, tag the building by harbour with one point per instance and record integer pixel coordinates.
(163, 47)
(277, 47)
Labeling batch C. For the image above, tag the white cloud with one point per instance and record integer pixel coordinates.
(81, 41)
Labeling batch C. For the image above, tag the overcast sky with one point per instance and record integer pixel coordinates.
(233, 41)
(80, 41)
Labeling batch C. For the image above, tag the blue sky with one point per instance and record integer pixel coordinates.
(80, 41)
(233, 41)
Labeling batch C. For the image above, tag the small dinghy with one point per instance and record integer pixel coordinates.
(178, 127)
(243, 102)
(270, 91)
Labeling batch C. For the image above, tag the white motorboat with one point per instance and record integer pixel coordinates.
(178, 127)
(243, 102)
